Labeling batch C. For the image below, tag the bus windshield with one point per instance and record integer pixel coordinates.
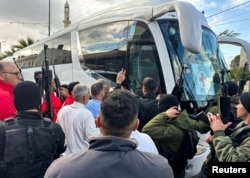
(200, 73)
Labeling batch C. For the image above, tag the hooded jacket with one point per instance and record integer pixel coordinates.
(110, 157)
(171, 131)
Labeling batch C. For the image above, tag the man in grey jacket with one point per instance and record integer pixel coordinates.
(114, 154)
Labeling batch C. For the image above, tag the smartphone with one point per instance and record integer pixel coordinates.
(203, 117)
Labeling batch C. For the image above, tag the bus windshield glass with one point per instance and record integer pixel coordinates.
(200, 73)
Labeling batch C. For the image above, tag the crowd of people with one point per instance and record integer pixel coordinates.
(96, 132)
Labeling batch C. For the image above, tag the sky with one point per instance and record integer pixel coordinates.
(20, 19)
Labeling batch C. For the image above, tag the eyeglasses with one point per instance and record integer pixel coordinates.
(17, 74)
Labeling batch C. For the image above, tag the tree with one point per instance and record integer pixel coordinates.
(229, 33)
(14, 48)
(236, 73)
(22, 43)
(235, 62)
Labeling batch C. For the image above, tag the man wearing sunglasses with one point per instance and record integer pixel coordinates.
(10, 76)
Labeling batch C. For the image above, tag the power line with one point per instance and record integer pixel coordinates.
(224, 20)
(24, 23)
(227, 9)
(229, 22)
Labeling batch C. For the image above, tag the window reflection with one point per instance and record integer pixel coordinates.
(58, 52)
(202, 76)
(129, 45)
(104, 49)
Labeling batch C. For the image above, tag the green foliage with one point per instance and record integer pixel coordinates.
(20, 45)
(229, 33)
(23, 43)
(237, 73)
(235, 62)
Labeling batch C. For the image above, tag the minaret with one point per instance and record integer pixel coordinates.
(66, 20)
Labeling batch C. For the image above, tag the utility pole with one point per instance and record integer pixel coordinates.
(49, 20)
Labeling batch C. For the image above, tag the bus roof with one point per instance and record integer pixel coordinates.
(146, 10)
(190, 19)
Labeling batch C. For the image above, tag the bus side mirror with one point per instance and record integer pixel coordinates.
(190, 23)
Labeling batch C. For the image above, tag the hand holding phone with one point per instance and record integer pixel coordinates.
(203, 117)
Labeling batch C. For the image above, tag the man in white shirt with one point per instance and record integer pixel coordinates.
(77, 121)
(144, 142)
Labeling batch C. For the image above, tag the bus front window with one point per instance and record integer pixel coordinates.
(202, 72)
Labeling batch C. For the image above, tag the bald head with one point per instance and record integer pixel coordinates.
(9, 73)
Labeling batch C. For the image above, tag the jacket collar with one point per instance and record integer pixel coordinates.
(111, 143)
(149, 95)
(28, 115)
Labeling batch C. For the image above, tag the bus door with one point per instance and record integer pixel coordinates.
(143, 61)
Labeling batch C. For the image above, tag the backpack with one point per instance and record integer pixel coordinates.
(32, 148)
(187, 150)
(189, 144)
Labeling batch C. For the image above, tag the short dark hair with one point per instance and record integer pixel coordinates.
(64, 86)
(119, 110)
(96, 89)
(71, 86)
(36, 76)
(149, 84)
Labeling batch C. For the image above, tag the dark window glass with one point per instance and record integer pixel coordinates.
(129, 45)
(143, 57)
(104, 49)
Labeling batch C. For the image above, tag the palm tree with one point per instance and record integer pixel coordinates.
(229, 33)
(21, 44)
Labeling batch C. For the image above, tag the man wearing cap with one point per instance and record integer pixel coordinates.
(233, 148)
(168, 128)
(9, 77)
(232, 87)
(28, 143)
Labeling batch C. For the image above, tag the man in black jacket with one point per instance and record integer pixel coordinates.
(148, 104)
(114, 154)
(28, 142)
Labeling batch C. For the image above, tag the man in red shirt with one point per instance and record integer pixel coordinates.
(10, 76)
(70, 100)
(56, 102)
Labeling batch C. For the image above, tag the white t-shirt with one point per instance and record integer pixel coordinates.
(145, 143)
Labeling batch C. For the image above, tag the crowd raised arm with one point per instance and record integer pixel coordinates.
(100, 130)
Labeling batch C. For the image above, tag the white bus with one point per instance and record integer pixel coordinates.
(167, 40)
